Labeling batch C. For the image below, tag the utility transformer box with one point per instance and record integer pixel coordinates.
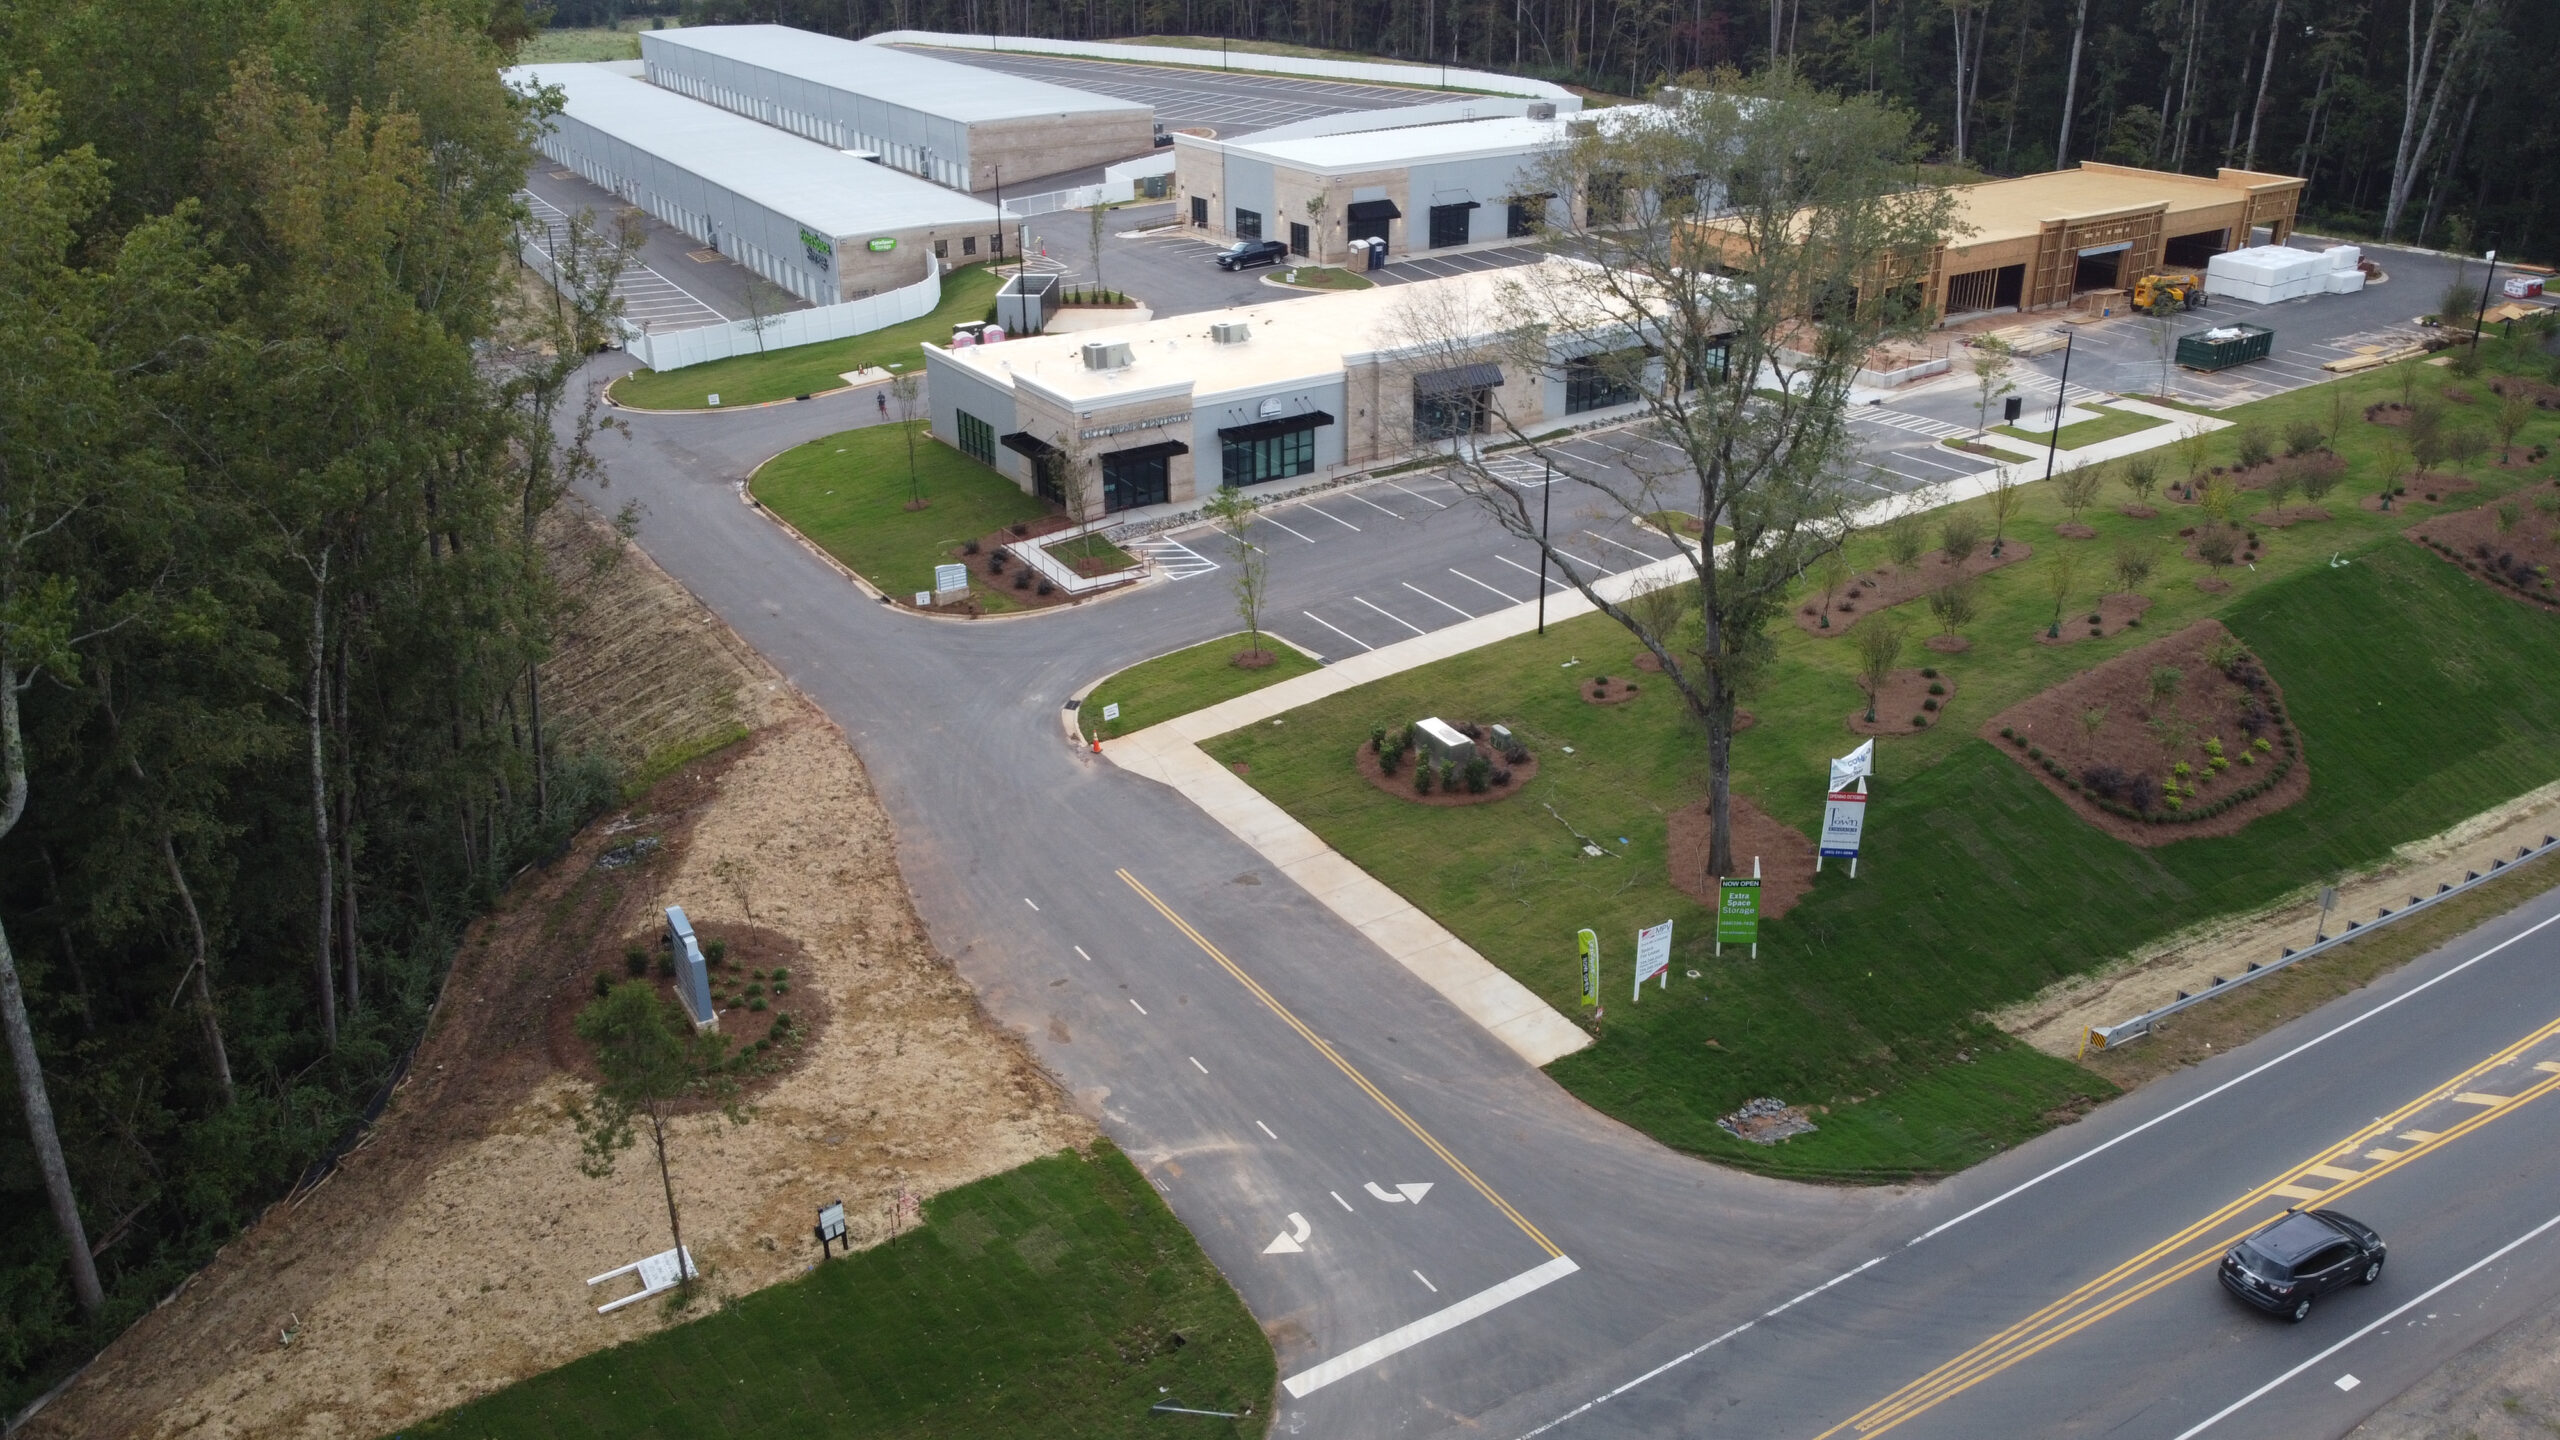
(1443, 742)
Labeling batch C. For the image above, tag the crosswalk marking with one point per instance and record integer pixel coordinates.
(2482, 1099)
(2332, 1172)
(1916, 424)
(1175, 560)
(2294, 1192)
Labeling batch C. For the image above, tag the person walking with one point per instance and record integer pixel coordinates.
(883, 398)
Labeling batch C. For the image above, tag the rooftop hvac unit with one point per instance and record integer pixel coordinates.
(1099, 355)
(1230, 332)
(1541, 110)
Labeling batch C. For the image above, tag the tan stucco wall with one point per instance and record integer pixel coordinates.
(1043, 417)
(1025, 150)
(861, 271)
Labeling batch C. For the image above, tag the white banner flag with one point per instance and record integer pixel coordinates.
(1856, 765)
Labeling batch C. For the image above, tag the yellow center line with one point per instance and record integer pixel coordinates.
(1346, 1067)
(2053, 1324)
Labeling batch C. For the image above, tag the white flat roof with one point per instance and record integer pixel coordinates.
(1391, 146)
(818, 187)
(964, 93)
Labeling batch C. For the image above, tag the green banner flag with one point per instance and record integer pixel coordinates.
(1590, 944)
(1738, 910)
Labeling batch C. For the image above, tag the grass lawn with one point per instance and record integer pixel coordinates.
(581, 45)
(1158, 690)
(1324, 277)
(2422, 696)
(2108, 425)
(848, 493)
(807, 369)
(1091, 546)
(1058, 1299)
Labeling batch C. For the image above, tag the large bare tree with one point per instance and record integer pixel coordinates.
(1755, 242)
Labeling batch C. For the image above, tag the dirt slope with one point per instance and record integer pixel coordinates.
(447, 1257)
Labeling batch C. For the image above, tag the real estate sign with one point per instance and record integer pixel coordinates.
(1844, 819)
(1738, 910)
(1653, 954)
(1590, 944)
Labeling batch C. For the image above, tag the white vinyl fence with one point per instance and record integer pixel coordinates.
(680, 348)
(1371, 72)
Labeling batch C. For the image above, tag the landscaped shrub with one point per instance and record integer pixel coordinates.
(1046, 588)
(604, 984)
(1448, 778)
(2302, 437)
(1928, 672)
(1919, 722)
(1518, 754)
(996, 561)
(635, 961)
(1022, 579)
(1936, 688)
(1479, 775)
(1501, 776)
(716, 951)
(2257, 446)
(1928, 704)
(1422, 777)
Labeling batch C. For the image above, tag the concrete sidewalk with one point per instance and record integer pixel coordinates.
(1170, 754)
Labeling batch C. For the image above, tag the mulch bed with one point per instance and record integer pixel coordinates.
(1645, 661)
(2108, 777)
(982, 575)
(1889, 585)
(1610, 690)
(2212, 584)
(1906, 698)
(1786, 856)
(1400, 784)
(2524, 562)
(2115, 615)
(1948, 644)
(2074, 530)
(2137, 512)
(750, 948)
(2388, 412)
(2543, 396)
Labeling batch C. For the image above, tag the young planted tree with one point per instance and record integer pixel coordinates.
(1906, 535)
(1248, 566)
(2140, 476)
(2078, 487)
(2195, 454)
(1959, 535)
(2093, 720)
(2218, 499)
(2465, 444)
(2061, 579)
(906, 389)
(2318, 475)
(1879, 650)
(767, 303)
(1954, 604)
(2133, 565)
(1833, 571)
(2514, 411)
(2390, 463)
(2006, 498)
(652, 1060)
(2163, 685)
(2281, 483)
(1993, 360)
(1812, 198)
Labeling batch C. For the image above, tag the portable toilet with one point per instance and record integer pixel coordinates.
(693, 973)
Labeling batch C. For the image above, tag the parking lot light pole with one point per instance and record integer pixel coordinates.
(1546, 508)
(2485, 282)
(2061, 394)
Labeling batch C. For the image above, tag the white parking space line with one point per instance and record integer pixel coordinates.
(1434, 599)
(1329, 515)
(1621, 544)
(1926, 458)
(1525, 570)
(1470, 579)
(1425, 499)
(1338, 630)
(1390, 614)
(1351, 1362)
(1374, 505)
(1300, 534)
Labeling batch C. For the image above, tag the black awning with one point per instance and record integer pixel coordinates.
(1160, 450)
(1024, 443)
(1285, 425)
(1375, 210)
(1533, 197)
(1460, 205)
(1465, 377)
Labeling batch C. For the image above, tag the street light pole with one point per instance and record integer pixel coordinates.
(2061, 394)
(2485, 282)
(1546, 508)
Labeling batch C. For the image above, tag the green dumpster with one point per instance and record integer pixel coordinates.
(2224, 346)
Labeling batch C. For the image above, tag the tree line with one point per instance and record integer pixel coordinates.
(2414, 119)
(279, 421)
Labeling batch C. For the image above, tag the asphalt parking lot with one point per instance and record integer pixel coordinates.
(1226, 102)
(673, 283)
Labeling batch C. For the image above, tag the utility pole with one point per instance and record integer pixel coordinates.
(2485, 282)
(1546, 509)
(2061, 393)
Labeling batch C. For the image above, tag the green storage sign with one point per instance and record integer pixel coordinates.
(820, 244)
(1738, 911)
(884, 244)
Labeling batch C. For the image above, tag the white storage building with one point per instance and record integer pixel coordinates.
(957, 125)
(821, 224)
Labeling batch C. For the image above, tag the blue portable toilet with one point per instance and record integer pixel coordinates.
(693, 973)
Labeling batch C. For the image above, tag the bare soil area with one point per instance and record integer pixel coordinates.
(2115, 615)
(1889, 585)
(447, 1256)
(2523, 561)
(1785, 855)
(2111, 746)
(1610, 690)
(1905, 705)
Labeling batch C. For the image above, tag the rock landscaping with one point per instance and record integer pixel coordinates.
(2182, 737)
(1767, 1121)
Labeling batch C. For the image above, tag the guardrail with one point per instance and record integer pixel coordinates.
(2109, 1037)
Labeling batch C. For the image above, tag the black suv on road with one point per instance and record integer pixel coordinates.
(1247, 253)
(2306, 1254)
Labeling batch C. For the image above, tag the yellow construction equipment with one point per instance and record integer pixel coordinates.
(2168, 291)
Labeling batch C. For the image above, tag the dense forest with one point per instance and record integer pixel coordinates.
(2416, 120)
(277, 421)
